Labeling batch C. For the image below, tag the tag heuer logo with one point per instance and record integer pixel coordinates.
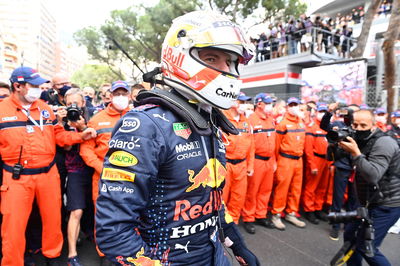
(182, 130)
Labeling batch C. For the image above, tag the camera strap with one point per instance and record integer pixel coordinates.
(27, 113)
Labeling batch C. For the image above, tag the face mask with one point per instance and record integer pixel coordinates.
(380, 119)
(120, 102)
(242, 108)
(361, 135)
(397, 122)
(319, 116)
(294, 110)
(64, 89)
(33, 94)
(88, 98)
(268, 108)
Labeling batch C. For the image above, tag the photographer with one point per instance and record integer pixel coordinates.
(343, 169)
(79, 174)
(376, 159)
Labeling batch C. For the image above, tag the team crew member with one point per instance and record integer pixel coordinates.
(381, 117)
(94, 150)
(317, 175)
(161, 199)
(395, 130)
(28, 136)
(260, 184)
(290, 140)
(79, 182)
(240, 159)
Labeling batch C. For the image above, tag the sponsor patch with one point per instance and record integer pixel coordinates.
(122, 144)
(122, 158)
(9, 118)
(118, 188)
(45, 114)
(104, 123)
(161, 117)
(117, 175)
(182, 130)
(129, 124)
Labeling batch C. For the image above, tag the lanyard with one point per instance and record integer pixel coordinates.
(26, 112)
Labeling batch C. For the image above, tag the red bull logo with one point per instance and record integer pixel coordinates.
(143, 260)
(206, 176)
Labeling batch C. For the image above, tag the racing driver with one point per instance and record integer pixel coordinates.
(160, 192)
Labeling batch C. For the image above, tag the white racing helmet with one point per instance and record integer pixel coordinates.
(184, 71)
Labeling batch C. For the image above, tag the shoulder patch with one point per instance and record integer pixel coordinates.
(144, 107)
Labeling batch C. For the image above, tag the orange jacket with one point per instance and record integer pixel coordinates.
(290, 136)
(382, 126)
(315, 145)
(17, 130)
(240, 146)
(93, 151)
(264, 133)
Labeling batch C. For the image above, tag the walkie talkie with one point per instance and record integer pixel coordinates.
(17, 169)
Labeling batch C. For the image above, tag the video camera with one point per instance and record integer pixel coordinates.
(365, 227)
(340, 134)
(345, 217)
(74, 113)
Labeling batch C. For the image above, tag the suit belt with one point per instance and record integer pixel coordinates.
(323, 156)
(31, 171)
(235, 161)
(294, 157)
(264, 158)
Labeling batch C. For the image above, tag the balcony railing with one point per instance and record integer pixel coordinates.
(317, 40)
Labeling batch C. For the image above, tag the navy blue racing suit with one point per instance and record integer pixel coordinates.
(157, 194)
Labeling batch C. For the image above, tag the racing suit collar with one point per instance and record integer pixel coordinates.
(16, 102)
(292, 118)
(114, 112)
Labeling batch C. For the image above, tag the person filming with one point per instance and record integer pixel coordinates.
(375, 157)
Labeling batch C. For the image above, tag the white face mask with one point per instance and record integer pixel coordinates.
(294, 110)
(268, 108)
(33, 94)
(397, 122)
(381, 119)
(242, 108)
(320, 115)
(120, 102)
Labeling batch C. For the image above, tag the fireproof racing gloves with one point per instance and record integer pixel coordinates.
(234, 241)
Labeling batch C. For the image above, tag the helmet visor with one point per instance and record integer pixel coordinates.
(227, 36)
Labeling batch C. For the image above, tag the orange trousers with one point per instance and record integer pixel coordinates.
(234, 193)
(329, 192)
(16, 204)
(95, 187)
(259, 188)
(288, 179)
(316, 186)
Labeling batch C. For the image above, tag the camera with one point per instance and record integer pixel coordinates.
(74, 112)
(340, 134)
(345, 217)
(337, 135)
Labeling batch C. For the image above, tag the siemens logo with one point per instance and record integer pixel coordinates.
(187, 146)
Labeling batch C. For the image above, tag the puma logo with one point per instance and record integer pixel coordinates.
(184, 247)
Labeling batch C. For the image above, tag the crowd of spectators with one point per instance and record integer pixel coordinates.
(321, 33)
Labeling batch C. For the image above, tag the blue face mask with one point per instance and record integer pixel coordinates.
(64, 89)
(88, 98)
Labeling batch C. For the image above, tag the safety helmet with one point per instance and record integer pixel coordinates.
(182, 68)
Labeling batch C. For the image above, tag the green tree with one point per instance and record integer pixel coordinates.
(273, 9)
(141, 36)
(94, 75)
